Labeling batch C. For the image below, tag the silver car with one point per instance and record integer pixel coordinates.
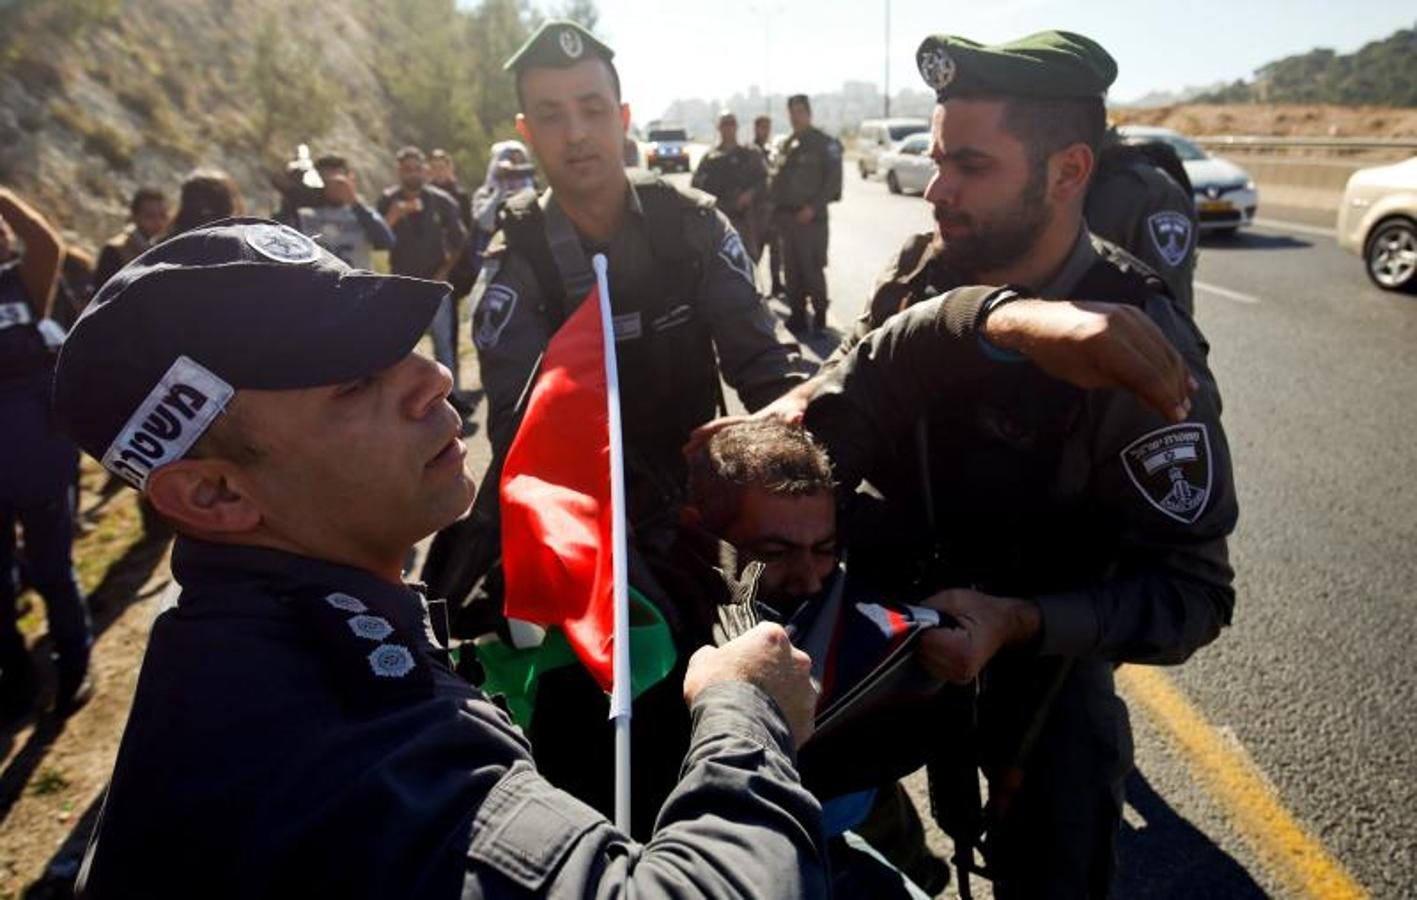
(908, 168)
(1225, 194)
(1378, 221)
(879, 137)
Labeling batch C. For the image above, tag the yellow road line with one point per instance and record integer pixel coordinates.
(1237, 784)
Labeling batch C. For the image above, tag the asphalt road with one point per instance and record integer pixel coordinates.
(1314, 684)
(1315, 680)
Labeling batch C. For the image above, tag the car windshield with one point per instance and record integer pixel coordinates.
(668, 134)
(900, 132)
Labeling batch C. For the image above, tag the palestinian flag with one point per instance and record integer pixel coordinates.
(557, 521)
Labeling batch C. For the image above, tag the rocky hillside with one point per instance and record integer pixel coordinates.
(1284, 120)
(98, 97)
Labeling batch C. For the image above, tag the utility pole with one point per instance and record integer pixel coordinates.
(888, 61)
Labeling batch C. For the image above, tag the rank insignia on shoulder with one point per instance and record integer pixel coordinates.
(346, 603)
(373, 664)
(391, 661)
(375, 628)
(1171, 468)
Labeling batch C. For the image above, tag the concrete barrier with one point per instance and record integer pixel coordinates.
(1299, 181)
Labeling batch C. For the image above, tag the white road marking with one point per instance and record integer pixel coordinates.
(1283, 225)
(1227, 293)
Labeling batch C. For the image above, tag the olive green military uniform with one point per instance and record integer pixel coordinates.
(995, 475)
(1138, 206)
(726, 174)
(807, 177)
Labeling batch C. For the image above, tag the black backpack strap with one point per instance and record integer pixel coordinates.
(522, 226)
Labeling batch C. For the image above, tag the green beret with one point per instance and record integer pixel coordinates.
(1049, 65)
(558, 44)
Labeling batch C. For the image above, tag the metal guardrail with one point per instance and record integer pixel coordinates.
(1259, 142)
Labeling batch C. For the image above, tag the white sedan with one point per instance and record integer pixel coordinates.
(908, 168)
(1378, 221)
(1225, 194)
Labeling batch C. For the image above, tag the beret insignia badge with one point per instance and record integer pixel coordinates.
(937, 67)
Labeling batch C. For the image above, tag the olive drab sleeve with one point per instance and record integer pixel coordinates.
(877, 390)
(1169, 492)
(1144, 211)
(1165, 492)
(757, 357)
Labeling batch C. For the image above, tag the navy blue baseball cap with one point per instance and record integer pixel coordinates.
(240, 303)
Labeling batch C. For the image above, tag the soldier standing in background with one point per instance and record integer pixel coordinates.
(737, 176)
(808, 179)
(762, 212)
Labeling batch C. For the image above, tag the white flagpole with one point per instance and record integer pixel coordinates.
(620, 694)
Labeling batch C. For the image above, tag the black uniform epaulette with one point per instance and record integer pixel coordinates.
(373, 663)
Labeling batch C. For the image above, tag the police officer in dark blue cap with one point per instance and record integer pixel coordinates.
(297, 730)
(38, 467)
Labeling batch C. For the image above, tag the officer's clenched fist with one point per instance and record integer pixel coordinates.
(763, 657)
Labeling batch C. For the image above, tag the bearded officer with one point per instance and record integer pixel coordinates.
(685, 304)
(807, 179)
(1089, 529)
(296, 730)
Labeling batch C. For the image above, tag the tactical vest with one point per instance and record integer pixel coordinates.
(999, 521)
(668, 373)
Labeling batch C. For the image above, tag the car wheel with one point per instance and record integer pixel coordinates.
(892, 182)
(1226, 232)
(1391, 255)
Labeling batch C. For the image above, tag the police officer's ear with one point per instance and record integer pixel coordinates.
(523, 130)
(625, 117)
(197, 497)
(1068, 172)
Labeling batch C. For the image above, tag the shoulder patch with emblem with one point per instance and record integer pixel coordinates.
(1171, 468)
(1171, 234)
(493, 314)
(281, 243)
(731, 251)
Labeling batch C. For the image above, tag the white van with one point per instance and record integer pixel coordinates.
(878, 136)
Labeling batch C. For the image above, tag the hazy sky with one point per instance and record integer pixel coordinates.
(712, 48)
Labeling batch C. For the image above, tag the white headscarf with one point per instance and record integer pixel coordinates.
(489, 198)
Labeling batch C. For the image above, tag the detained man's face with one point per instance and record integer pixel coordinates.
(794, 538)
(575, 125)
(990, 202)
(413, 173)
(365, 468)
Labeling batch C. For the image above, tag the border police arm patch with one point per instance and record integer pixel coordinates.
(1171, 235)
(731, 251)
(1171, 468)
(492, 315)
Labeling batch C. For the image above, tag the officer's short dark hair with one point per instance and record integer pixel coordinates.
(331, 161)
(409, 151)
(145, 195)
(763, 453)
(1047, 125)
(800, 100)
(763, 120)
(614, 82)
